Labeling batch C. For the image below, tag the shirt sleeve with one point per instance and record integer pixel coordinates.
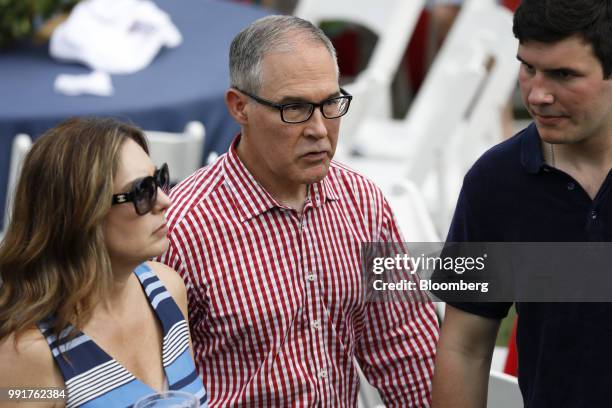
(195, 292)
(396, 349)
(465, 228)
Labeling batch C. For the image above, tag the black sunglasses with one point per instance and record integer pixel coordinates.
(144, 191)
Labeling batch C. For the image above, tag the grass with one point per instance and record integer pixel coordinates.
(505, 328)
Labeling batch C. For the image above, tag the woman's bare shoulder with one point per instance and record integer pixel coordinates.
(173, 283)
(169, 277)
(30, 360)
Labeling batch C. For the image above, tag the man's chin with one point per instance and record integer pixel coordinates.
(559, 137)
(316, 173)
(550, 135)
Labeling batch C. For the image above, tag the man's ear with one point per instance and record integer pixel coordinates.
(236, 104)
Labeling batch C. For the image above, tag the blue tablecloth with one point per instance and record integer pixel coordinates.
(182, 84)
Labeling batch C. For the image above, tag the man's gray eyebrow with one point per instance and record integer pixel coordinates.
(297, 99)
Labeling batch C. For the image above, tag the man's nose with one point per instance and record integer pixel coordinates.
(540, 92)
(315, 126)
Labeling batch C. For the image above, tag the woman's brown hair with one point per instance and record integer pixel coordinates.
(53, 258)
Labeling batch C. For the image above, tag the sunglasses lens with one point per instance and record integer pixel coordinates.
(163, 178)
(145, 193)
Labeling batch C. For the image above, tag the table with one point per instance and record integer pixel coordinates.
(182, 84)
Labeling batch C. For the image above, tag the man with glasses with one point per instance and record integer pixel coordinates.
(268, 241)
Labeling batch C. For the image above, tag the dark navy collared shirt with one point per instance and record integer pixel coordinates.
(512, 195)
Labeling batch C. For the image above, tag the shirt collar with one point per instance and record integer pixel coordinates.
(252, 199)
(532, 159)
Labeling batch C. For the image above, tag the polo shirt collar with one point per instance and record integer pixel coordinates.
(532, 159)
(252, 199)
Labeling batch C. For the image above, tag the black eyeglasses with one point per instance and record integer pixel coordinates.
(299, 112)
(144, 191)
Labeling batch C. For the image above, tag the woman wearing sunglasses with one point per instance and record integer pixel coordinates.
(81, 308)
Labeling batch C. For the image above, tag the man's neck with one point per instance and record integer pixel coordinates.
(588, 162)
(290, 195)
(297, 201)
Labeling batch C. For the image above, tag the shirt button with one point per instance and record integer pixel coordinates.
(311, 277)
(316, 324)
(594, 214)
(323, 373)
(571, 186)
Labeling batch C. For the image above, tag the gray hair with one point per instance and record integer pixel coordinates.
(265, 35)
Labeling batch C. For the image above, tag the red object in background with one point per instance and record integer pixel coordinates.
(416, 55)
(511, 366)
(347, 52)
(511, 4)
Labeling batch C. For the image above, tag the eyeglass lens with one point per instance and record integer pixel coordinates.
(301, 112)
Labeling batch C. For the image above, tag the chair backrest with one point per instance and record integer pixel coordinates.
(410, 209)
(369, 397)
(182, 151)
(393, 21)
(469, 83)
(364, 91)
(476, 119)
(20, 147)
(456, 114)
(504, 391)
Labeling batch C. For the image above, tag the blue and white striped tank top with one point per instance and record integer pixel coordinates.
(94, 379)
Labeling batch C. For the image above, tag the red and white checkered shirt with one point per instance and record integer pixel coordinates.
(276, 298)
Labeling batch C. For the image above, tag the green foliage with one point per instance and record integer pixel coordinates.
(20, 18)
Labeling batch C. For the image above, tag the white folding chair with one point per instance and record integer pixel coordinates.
(368, 395)
(182, 151)
(474, 73)
(456, 114)
(504, 391)
(410, 209)
(393, 21)
(414, 219)
(20, 147)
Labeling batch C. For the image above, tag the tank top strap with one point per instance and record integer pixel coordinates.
(74, 352)
(159, 298)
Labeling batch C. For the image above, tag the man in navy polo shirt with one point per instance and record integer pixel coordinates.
(549, 183)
